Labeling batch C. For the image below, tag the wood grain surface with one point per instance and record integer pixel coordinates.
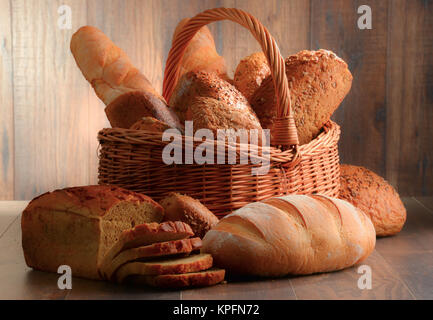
(402, 268)
(49, 115)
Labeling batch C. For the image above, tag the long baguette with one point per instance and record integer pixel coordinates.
(125, 91)
(293, 234)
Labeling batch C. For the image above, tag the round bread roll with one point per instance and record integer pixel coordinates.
(318, 82)
(375, 197)
(180, 207)
(250, 73)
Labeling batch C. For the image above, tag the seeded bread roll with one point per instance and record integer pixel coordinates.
(195, 85)
(180, 207)
(76, 226)
(318, 82)
(250, 73)
(375, 197)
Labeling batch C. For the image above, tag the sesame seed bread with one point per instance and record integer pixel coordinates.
(375, 197)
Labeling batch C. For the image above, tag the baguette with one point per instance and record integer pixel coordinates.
(293, 234)
(318, 83)
(374, 196)
(126, 92)
(201, 54)
(76, 226)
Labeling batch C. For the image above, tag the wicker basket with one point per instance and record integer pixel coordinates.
(133, 158)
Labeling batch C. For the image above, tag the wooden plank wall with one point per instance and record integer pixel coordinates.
(49, 116)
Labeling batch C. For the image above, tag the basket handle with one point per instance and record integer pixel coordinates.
(284, 131)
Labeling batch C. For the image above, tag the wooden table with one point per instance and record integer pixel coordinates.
(402, 268)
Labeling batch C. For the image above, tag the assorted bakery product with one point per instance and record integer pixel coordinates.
(125, 91)
(220, 104)
(178, 207)
(150, 124)
(318, 83)
(77, 226)
(201, 54)
(374, 196)
(295, 234)
(250, 73)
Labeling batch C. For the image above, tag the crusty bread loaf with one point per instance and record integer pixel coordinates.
(201, 54)
(318, 83)
(125, 91)
(294, 234)
(180, 207)
(152, 251)
(192, 263)
(220, 95)
(250, 73)
(150, 124)
(375, 197)
(76, 226)
(175, 281)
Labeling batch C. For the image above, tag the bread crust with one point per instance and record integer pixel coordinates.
(161, 249)
(192, 263)
(176, 281)
(201, 54)
(318, 83)
(180, 207)
(195, 85)
(73, 226)
(250, 73)
(296, 235)
(126, 92)
(375, 197)
(150, 124)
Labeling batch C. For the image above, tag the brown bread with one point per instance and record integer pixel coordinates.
(318, 82)
(176, 281)
(76, 226)
(250, 73)
(375, 197)
(150, 124)
(180, 207)
(193, 263)
(156, 250)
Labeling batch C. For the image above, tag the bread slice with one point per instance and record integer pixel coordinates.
(76, 226)
(180, 207)
(193, 263)
(162, 249)
(146, 234)
(173, 281)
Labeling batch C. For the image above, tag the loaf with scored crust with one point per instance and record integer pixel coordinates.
(318, 83)
(76, 226)
(295, 234)
(375, 197)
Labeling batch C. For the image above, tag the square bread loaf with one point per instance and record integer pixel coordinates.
(77, 226)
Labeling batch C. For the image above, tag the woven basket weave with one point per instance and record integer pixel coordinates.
(133, 158)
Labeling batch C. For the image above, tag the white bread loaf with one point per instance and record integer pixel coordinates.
(294, 234)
